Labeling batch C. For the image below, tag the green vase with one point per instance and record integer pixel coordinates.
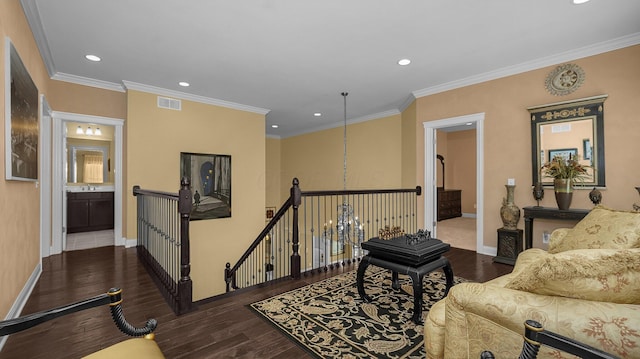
(563, 189)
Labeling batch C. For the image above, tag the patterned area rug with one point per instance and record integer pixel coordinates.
(330, 320)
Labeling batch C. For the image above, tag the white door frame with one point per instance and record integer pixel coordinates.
(59, 178)
(45, 178)
(430, 209)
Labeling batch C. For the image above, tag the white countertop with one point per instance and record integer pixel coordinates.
(90, 188)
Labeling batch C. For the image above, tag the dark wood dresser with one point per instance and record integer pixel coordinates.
(449, 203)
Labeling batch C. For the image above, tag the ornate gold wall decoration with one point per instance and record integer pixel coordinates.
(564, 79)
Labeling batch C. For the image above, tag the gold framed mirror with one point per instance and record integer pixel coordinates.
(569, 129)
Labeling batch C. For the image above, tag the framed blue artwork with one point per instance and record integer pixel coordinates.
(210, 176)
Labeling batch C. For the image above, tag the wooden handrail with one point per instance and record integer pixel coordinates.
(293, 203)
(417, 190)
(177, 291)
(229, 275)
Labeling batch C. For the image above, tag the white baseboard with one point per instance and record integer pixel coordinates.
(489, 251)
(129, 243)
(469, 215)
(20, 302)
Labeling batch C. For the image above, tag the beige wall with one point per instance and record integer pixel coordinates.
(273, 162)
(460, 166)
(19, 201)
(408, 144)
(155, 139)
(507, 132)
(317, 159)
(68, 97)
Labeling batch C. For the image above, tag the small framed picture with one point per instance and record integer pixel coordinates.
(566, 153)
(586, 148)
(270, 212)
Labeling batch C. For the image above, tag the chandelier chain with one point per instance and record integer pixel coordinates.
(344, 140)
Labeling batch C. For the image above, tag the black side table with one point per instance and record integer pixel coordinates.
(547, 213)
(415, 260)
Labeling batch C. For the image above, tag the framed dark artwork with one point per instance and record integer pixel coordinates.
(565, 153)
(21, 119)
(210, 176)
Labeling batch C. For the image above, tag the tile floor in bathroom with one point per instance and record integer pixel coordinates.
(86, 240)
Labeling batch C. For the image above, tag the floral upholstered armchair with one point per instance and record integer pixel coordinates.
(585, 287)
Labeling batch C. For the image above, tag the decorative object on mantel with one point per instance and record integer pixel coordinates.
(564, 79)
(420, 236)
(509, 212)
(565, 173)
(595, 196)
(538, 192)
(388, 233)
(635, 206)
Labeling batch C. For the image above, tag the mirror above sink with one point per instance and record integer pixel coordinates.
(89, 154)
(569, 129)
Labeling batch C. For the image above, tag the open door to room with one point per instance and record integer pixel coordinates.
(456, 185)
(463, 172)
(67, 166)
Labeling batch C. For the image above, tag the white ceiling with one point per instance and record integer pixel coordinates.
(289, 58)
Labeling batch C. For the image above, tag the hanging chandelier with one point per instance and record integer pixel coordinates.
(349, 227)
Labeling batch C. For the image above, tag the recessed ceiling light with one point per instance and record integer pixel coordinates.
(317, 114)
(183, 84)
(274, 126)
(469, 123)
(93, 58)
(404, 62)
(578, 2)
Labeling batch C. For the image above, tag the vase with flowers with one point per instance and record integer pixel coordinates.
(565, 173)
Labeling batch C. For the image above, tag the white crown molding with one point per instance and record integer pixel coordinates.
(32, 14)
(599, 48)
(407, 102)
(196, 98)
(86, 81)
(374, 116)
(352, 121)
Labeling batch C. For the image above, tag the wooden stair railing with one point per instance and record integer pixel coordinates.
(163, 242)
(280, 251)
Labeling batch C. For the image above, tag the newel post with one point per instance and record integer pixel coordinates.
(185, 286)
(296, 199)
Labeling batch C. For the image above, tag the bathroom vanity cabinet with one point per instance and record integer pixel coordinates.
(89, 211)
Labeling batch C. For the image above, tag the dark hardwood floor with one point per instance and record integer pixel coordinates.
(220, 328)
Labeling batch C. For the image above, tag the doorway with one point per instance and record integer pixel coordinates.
(62, 188)
(431, 181)
(456, 175)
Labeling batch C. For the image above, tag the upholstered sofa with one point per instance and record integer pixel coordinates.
(585, 287)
